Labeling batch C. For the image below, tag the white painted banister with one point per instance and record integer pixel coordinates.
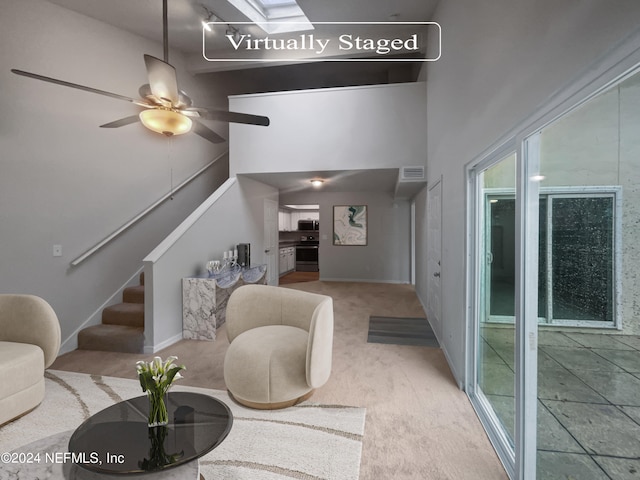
(142, 214)
(170, 240)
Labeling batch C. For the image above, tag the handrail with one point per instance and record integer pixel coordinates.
(188, 222)
(142, 214)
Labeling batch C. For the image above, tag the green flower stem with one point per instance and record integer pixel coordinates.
(157, 408)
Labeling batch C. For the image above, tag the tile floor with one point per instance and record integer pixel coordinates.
(588, 401)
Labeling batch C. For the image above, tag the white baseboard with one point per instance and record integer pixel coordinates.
(459, 380)
(364, 280)
(167, 343)
(71, 343)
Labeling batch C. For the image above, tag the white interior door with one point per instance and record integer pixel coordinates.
(271, 252)
(434, 253)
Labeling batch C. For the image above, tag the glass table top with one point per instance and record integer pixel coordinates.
(117, 440)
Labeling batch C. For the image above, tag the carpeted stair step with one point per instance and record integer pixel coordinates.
(133, 294)
(112, 338)
(127, 314)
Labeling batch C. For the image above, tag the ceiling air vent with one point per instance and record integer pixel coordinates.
(412, 174)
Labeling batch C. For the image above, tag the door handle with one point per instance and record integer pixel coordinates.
(436, 274)
(267, 250)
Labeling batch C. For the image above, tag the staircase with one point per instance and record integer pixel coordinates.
(122, 327)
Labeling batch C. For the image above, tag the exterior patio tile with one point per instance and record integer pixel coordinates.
(555, 339)
(626, 359)
(630, 340)
(498, 335)
(633, 412)
(552, 436)
(556, 384)
(600, 429)
(598, 340)
(580, 359)
(567, 466)
(619, 388)
(497, 380)
(489, 355)
(620, 468)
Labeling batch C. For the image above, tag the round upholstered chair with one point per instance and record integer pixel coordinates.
(29, 343)
(280, 345)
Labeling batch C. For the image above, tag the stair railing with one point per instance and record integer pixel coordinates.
(77, 261)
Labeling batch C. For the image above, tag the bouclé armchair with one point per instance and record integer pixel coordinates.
(281, 342)
(29, 343)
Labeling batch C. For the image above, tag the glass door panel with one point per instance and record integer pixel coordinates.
(496, 335)
(588, 380)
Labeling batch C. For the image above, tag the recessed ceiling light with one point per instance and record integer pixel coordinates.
(317, 183)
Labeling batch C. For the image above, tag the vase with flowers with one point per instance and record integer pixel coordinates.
(156, 377)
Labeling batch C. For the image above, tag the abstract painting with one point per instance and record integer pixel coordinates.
(350, 225)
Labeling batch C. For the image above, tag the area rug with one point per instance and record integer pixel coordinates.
(401, 331)
(308, 441)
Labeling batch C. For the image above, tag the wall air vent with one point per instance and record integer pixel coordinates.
(412, 174)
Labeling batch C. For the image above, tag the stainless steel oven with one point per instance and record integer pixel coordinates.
(307, 254)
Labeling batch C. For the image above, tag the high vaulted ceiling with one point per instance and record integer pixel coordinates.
(144, 18)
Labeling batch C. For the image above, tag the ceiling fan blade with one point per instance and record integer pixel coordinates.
(79, 87)
(233, 117)
(122, 122)
(162, 79)
(206, 133)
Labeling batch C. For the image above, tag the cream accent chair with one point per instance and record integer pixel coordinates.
(29, 343)
(281, 342)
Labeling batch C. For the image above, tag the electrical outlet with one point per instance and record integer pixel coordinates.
(57, 250)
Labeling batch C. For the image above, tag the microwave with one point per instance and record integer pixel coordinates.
(308, 225)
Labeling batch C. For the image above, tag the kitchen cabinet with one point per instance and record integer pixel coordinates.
(288, 219)
(287, 260)
(291, 259)
(284, 221)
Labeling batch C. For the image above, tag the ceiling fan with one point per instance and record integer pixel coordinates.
(167, 110)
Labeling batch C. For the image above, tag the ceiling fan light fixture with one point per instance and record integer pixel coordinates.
(166, 122)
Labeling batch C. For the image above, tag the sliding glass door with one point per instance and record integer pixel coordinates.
(576, 255)
(554, 335)
(493, 369)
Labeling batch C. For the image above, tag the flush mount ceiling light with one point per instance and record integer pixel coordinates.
(167, 122)
(317, 183)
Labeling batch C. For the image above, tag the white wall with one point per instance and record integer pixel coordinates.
(220, 223)
(387, 255)
(331, 129)
(501, 61)
(65, 181)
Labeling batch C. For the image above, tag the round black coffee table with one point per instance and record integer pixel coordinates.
(117, 440)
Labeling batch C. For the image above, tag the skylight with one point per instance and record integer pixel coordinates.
(274, 16)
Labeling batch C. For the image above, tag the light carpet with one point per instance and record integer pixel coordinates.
(308, 441)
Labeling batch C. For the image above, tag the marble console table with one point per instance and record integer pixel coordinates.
(204, 299)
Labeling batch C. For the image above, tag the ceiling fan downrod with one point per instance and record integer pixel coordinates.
(165, 31)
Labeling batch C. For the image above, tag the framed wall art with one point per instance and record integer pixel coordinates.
(350, 225)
